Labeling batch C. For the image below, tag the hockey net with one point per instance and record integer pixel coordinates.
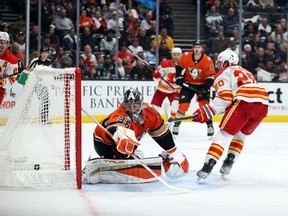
(40, 146)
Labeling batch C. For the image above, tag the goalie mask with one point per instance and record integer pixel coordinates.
(133, 101)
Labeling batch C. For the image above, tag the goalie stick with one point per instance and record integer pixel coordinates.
(137, 159)
(148, 66)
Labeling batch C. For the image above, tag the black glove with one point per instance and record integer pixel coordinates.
(180, 80)
(205, 94)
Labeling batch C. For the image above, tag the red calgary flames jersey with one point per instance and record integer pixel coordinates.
(153, 123)
(196, 72)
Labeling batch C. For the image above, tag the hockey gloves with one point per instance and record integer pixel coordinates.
(175, 163)
(205, 94)
(203, 114)
(180, 80)
(125, 140)
(156, 74)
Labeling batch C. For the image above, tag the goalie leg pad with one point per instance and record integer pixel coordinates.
(118, 171)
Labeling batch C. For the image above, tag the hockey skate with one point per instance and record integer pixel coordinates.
(206, 170)
(227, 165)
(210, 131)
(175, 130)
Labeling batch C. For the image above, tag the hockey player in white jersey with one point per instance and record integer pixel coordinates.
(245, 105)
(167, 88)
(8, 64)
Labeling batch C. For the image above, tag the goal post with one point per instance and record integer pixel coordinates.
(40, 146)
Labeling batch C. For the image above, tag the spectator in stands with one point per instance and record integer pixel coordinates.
(100, 67)
(149, 56)
(134, 47)
(164, 36)
(33, 44)
(264, 27)
(126, 56)
(281, 72)
(249, 29)
(164, 51)
(86, 37)
(20, 56)
(63, 24)
(248, 58)
(84, 72)
(70, 41)
(140, 72)
(46, 43)
(271, 53)
(109, 69)
(278, 35)
(99, 24)
(20, 39)
(120, 9)
(152, 31)
(213, 21)
(123, 73)
(106, 14)
(91, 8)
(217, 4)
(165, 17)
(227, 4)
(84, 20)
(112, 23)
(70, 10)
(144, 40)
(283, 24)
(90, 61)
(230, 22)
(108, 43)
(54, 38)
(261, 58)
(146, 23)
(133, 31)
(256, 43)
(56, 60)
(18, 27)
(219, 45)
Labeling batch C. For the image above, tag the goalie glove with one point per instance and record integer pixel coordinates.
(175, 163)
(203, 114)
(125, 140)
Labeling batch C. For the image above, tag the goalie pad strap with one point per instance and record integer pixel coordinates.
(118, 171)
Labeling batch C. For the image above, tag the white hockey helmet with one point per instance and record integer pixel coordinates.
(228, 55)
(176, 50)
(4, 36)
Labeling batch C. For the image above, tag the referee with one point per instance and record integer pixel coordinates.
(40, 89)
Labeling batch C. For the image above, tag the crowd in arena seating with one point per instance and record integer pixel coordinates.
(97, 39)
(263, 31)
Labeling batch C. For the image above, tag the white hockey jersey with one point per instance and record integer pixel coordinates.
(8, 66)
(236, 83)
(168, 73)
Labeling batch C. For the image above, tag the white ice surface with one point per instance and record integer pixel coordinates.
(257, 184)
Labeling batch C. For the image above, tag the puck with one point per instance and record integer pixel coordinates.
(36, 166)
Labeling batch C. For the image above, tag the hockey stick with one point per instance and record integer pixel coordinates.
(148, 66)
(183, 118)
(193, 89)
(10, 75)
(137, 159)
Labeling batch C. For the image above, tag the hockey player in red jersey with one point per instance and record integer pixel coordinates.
(245, 105)
(167, 87)
(128, 124)
(8, 64)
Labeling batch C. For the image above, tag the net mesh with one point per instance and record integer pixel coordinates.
(38, 145)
